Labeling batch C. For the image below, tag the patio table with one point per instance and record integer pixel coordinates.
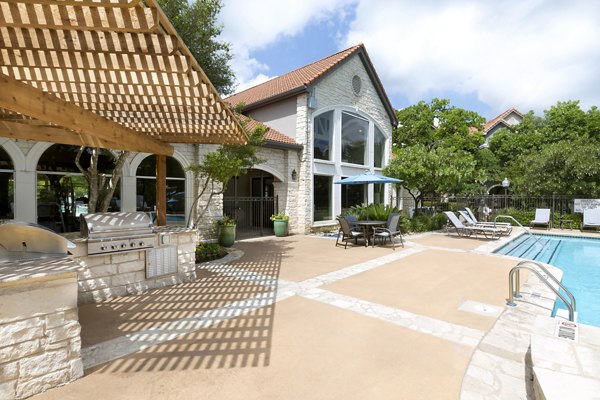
(369, 225)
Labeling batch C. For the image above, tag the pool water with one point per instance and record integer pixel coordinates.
(578, 257)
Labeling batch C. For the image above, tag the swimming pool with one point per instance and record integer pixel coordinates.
(578, 257)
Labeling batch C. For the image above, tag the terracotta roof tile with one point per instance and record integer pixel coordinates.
(271, 134)
(292, 80)
(500, 119)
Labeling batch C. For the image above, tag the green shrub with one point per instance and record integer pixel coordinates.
(209, 251)
(376, 212)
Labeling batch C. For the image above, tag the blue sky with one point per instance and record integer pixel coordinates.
(483, 56)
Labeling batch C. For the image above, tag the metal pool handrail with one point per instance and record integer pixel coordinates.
(512, 283)
(518, 223)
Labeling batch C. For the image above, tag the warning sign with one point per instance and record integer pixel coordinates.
(586, 204)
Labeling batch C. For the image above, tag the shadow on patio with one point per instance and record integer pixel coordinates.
(224, 319)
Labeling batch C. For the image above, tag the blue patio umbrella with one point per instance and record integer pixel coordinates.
(365, 179)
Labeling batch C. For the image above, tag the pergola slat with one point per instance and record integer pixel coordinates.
(87, 41)
(58, 16)
(94, 60)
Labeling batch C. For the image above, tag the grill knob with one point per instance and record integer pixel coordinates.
(132, 244)
(123, 245)
(141, 243)
(103, 247)
(113, 247)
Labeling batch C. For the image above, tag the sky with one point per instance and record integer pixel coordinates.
(485, 56)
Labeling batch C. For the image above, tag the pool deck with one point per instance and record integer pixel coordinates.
(298, 318)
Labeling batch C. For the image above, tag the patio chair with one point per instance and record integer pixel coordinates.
(542, 218)
(352, 220)
(591, 219)
(390, 231)
(504, 227)
(347, 233)
(466, 231)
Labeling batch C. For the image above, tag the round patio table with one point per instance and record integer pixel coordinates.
(368, 226)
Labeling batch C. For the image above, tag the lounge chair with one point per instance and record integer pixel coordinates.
(466, 231)
(347, 233)
(542, 218)
(390, 231)
(504, 227)
(591, 219)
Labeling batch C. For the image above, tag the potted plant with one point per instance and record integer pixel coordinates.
(280, 223)
(226, 231)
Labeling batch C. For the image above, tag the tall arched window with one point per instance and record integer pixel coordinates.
(62, 191)
(146, 188)
(7, 186)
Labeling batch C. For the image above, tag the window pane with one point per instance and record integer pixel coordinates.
(323, 129)
(60, 201)
(148, 168)
(379, 144)
(322, 198)
(354, 139)
(378, 193)
(7, 190)
(61, 158)
(352, 195)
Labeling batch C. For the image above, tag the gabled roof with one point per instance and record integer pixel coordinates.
(297, 81)
(104, 73)
(272, 137)
(500, 119)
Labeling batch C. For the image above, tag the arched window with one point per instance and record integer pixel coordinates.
(62, 191)
(7, 186)
(146, 188)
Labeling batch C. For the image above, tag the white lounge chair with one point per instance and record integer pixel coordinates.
(506, 230)
(506, 225)
(591, 219)
(542, 218)
(464, 230)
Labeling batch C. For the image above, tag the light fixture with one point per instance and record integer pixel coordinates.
(312, 100)
(294, 174)
(505, 183)
(436, 121)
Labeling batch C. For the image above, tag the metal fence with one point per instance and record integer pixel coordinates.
(252, 214)
(487, 207)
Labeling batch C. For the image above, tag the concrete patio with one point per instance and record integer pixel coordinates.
(298, 318)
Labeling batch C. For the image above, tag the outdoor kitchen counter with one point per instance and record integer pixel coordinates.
(38, 269)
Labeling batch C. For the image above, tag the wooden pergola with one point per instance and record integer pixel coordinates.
(106, 73)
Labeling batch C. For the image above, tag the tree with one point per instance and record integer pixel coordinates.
(102, 187)
(568, 168)
(220, 166)
(456, 128)
(431, 171)
(510, 143)
(196, 22)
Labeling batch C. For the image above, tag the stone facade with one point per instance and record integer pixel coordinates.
(108, 276)
(40, 331)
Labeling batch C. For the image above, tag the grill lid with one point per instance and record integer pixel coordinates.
(27, 241)
(115, 223)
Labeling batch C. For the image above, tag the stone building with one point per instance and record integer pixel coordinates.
(337, 110)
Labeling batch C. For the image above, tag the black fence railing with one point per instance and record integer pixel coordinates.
(487, 207)
(252, 214)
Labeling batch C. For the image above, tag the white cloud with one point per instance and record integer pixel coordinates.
(252, 25)
(527, 54)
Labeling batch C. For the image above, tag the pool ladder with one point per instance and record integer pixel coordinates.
(518, 223)
(514, 284)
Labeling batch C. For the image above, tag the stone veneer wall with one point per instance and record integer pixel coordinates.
(40, 345)
(334, 90)
(108, 276)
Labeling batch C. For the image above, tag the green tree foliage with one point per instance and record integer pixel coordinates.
(508, 144)
(220, 166)
(458, 128)
(563, 167)
(428, 172)
(196, 22)
(432, 160)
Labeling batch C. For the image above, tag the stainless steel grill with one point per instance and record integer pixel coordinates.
(117, 232)
(22, 241)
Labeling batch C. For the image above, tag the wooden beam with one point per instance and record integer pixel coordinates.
(87, 41)
(43, 133)
(161, 190)
(25, 99)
